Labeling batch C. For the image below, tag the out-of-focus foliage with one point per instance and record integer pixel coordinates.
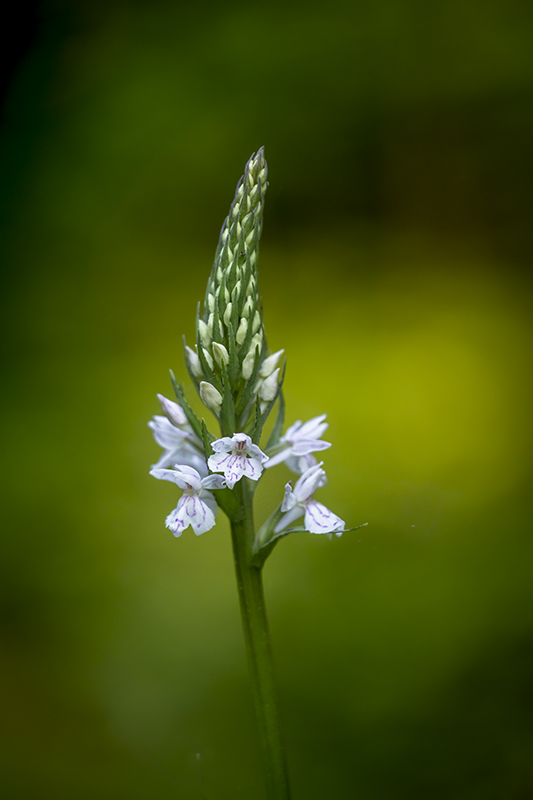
(394, 273)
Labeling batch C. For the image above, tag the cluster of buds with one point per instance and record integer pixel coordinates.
(229, 366)
(239, 382)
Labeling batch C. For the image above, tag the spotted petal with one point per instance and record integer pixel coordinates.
(319, 519)
(191, 510)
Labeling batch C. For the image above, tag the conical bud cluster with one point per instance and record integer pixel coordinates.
(230, 327)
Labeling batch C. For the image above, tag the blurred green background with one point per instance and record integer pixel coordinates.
(394, 272)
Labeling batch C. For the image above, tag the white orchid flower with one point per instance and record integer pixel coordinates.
(300, 501)
(197, 507)
(299, 441)
(236, 456)
(179, 446)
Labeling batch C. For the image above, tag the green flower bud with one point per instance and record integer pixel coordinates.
(208, 357)
(248, 363)
(269, 364)
(257, 322)
(270, 387)
(204, 333)
(221, 354)
(241, 331)
(227, 313)
(211, 397)
(194, 363)
(247, 308)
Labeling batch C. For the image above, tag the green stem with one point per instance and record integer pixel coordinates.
(257, 639)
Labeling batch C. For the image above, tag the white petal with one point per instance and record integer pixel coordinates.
(182, 455)
(255, 452)
(218, 461)
(283, 455)
(252, 468)
(223, 445)
(167, 475)
(209, 500)
(304, 446)
(213, 482)
(289, 500)
(313, 428)
(242, 437)
(292, 432)
(309, 483)
(166, 459)
(193, 511)
(190, 477)
(165, 434)
(301, 464)
(288, 518)
(319, 519)
(235, 469)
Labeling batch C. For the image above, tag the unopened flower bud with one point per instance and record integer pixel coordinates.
(257, 340)
(247, 308)
(221, 354)
(241, 331)
(210, 396)
(204, 332)
(236, 291)
(269, 364)
(248, 363)
(269, 388)
(210, 302)
(208, 357)
(173, 411)
(257, 322)
(227, 313)
(195, 365)
(210, 322)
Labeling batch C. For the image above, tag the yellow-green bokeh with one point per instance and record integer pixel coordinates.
(394, 273)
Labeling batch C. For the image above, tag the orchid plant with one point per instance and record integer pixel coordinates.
(241, 383)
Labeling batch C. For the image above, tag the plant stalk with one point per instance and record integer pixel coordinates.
(257, 640)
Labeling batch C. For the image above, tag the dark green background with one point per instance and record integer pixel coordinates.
(394, 272)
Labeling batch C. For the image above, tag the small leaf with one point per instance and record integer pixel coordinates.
(257, 426)
(233, 369)
(227, 410)
(275, 436)
(207, 438)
